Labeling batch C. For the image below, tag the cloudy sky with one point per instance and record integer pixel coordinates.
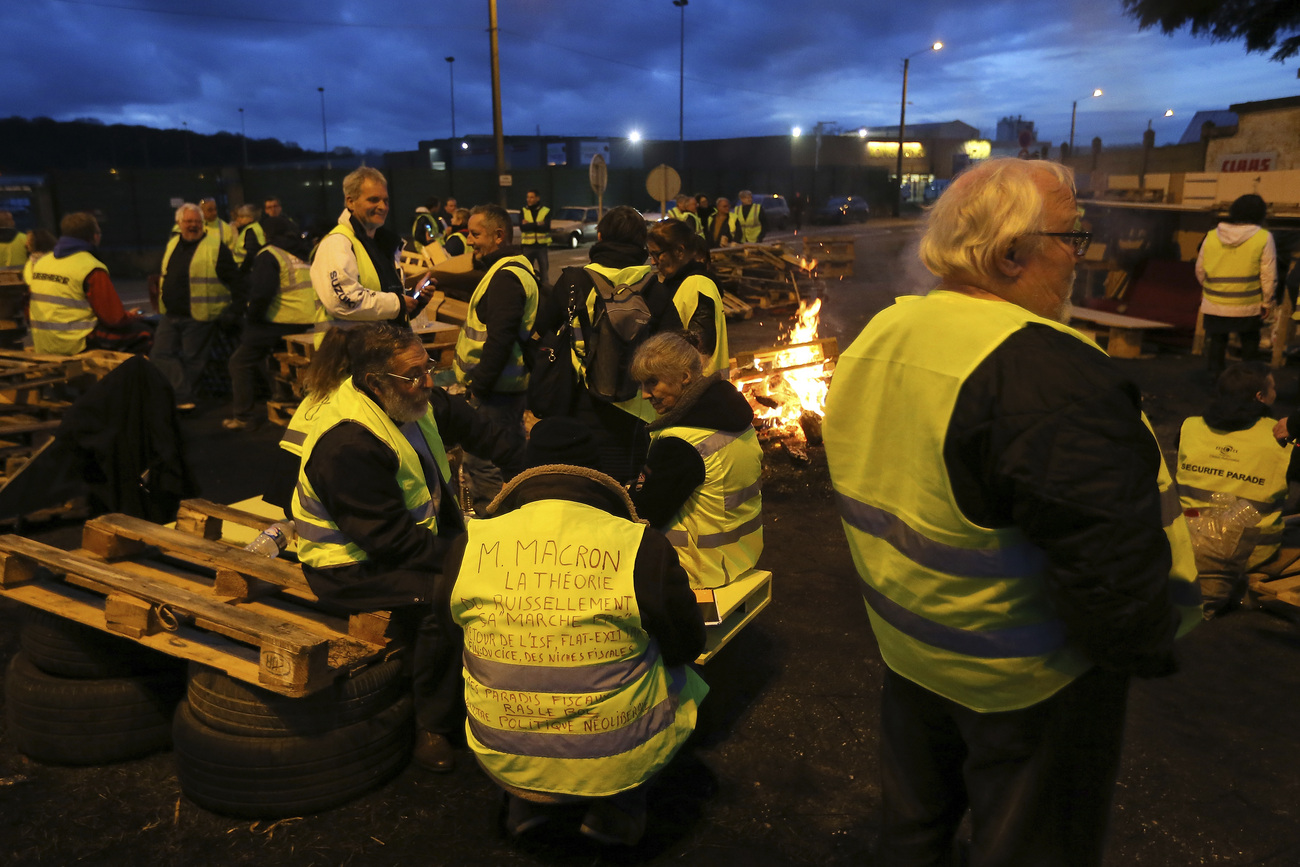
(606, 67)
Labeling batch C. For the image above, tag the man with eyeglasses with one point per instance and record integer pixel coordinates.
(375, 505)
(1017, 533)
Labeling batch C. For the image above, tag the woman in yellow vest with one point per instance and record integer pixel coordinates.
(703, 471)
(1237, 268)
(695, 296)
(1233, 449)
(575, 625)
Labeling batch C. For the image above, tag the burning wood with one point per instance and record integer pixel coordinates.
(786, 385)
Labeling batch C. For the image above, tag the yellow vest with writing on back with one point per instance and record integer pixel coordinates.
(61, 315)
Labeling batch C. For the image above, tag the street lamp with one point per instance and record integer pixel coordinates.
(902, 124)
(324, 131)
(634, 136)
(243, 137)
(1074, 109)
(497, 130)
(796, 131)
(451, 70)
(1148, 142)
(681, 91)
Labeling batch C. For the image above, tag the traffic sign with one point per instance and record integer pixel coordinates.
(505, 180)
(663, 185)
(599, 173)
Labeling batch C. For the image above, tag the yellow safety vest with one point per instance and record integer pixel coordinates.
(473, 334)
(222, 230)
(733, 226)
(296, 302)
(208, 295)
(751, 225)
(1248, 464)
(957, 608)
(636, 406)
(300, 423)
(367, 276)
(718, 532)
(415, 231)
(690, 218)
(239, 251)
(566, 692)
(320, 542)
(1232, 273)
(538, 238)
(61, 315)
(687, 298)
(14, 253)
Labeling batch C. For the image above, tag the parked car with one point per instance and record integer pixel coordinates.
(842, 209)
(574, 225)
(775, 208)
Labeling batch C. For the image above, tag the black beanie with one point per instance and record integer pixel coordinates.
(560, 441)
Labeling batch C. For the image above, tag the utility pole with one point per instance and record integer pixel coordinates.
(496, 101)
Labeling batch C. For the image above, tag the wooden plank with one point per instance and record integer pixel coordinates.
(198, 507)
(192, 549)
(1116, 320)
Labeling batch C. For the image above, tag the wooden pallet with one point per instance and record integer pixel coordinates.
(763, 362)
(194, 598)
(280, 412)
(730, 608)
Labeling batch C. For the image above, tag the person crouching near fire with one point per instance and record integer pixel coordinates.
(575, 623)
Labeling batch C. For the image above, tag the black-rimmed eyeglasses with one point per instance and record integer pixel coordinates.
(1079, 240)
(414, 380)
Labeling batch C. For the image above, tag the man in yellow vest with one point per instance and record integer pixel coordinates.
(1233, 449)
(213, 223)
(249, 235)
(1017, 533)
(74, 305)
(281, 301)
(724, 227)
(13, 243)
(1237, 268)
(489, 351)
(684, 210)
(375, 505)
(199, 275)
(753, 225)
(535, 235)
(575, 624)
(355, 272)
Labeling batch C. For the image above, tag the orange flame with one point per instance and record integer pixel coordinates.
(809, 265)
(794, 381)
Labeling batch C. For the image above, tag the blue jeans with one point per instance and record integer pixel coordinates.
(506, 411)
(180, 349)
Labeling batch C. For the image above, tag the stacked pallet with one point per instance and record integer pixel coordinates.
(291, 363)
(763, 276)
(830, 257)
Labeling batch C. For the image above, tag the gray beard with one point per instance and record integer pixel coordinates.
(402, 408)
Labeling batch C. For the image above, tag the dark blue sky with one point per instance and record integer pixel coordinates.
(606, 67)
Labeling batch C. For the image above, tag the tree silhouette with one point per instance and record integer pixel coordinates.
(1263, 24)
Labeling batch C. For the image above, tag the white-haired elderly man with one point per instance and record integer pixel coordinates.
(200, 288)
(1018, 537)
(355, 272)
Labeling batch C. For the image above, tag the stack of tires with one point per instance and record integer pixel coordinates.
(77, 696)
(244, 751)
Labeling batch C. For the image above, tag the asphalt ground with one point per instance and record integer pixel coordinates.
(783, 769)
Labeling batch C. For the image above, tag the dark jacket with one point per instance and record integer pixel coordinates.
(175, 289)
(673, 468)
(355, 476)
(502, 310)
(1047, 436)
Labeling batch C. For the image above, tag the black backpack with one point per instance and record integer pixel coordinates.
(621, 319)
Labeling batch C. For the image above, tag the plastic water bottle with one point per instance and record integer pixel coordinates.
(271, 541)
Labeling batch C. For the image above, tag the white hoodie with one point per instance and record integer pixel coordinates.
(1232, 235)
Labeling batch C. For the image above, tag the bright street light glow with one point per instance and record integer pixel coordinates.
(634, 136)
(936, 46)
(1169, 112)
(796, 131)
(862, 133)
(1097, 92)
(464, 145)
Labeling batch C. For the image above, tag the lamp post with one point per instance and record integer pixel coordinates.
(1074, 109)
(451, 71)
(243, 137)
(681, 91)
(324, 130)
(1148, 142)
(185, 125)
(496, 100)
(902, 126)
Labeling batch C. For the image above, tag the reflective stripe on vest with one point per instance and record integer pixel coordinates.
(538, 237)
(1247, 464)
(558, 668)
(718, 532)
(958, 608)
(321, 543)
(240, 252)
(295, 302)
(367, 276)
(473, 334)
(1232, 273)
(686, 299)
(751, 226)
(300, 423)
(61, 315)
(208, 295)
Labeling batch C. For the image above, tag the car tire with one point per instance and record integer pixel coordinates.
(66, 648)
(274, 777)
(221, 702)
(575, 240)
(78, 721)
